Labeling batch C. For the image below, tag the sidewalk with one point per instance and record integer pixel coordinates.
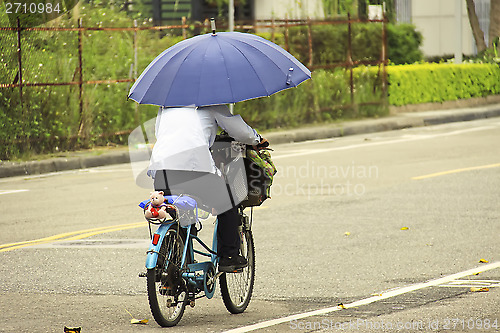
(108, 156)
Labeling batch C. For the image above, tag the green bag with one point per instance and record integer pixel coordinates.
(260, 171)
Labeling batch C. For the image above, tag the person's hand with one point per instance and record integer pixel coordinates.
(262, 144)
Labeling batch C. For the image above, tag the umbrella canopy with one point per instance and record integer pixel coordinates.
(221, 68)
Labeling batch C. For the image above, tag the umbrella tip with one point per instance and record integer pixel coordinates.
(212, 23)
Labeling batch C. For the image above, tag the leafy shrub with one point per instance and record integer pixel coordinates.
(403, 43)
(50, 116)
(425, 83)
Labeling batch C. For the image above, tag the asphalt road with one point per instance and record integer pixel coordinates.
(392, 225)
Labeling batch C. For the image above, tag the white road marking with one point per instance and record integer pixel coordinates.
(12, 191)
(472, 283)
(390, 141)
(385, 295)
(43, 175)
(65, 172)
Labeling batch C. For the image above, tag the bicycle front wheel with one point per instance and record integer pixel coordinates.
(237, 288)
(166, 289)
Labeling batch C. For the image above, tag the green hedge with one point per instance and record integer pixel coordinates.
(427, 83)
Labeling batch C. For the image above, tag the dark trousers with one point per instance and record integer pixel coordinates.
(212, 191)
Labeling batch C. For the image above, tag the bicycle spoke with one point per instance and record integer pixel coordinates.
(236, 288)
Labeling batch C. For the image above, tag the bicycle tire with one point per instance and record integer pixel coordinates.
(167, 294)
(236, 288)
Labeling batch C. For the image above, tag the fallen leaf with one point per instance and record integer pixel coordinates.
(342, 306)
(72, 329)
(136, 321)
(483, 261)
(347, 233)
(405, 228)
(376, 294)
(477, 273)
(482, 289)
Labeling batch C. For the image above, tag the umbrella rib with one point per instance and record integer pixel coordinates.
(257, 74)
(152, 64)
(198, 103)
(227, 71)
(175, 76)
(294, 63)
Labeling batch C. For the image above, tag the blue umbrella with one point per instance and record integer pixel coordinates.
(217, 68)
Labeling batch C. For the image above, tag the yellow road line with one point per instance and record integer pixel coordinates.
(63, 235)
(437, 174)
(89, 234)
(75, 235)
(67, 236)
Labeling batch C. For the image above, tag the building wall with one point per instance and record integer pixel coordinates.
(294, 9)
(436, 21)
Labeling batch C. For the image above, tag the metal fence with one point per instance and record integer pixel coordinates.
(78, 78)
(349, 63)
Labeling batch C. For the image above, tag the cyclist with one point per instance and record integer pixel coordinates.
(181, 163)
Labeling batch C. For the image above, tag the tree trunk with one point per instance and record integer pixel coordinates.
(474, 24)
(494, 23)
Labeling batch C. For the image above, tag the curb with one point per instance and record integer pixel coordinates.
(397, 122)
(9, 169)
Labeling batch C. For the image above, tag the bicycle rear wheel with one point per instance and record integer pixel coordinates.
(237, 288)
(166, 288)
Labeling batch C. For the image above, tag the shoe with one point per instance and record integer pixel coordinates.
(232, 264)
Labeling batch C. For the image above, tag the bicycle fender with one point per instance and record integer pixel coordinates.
(152, 254)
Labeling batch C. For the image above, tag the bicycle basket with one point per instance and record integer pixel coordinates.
(259, 170)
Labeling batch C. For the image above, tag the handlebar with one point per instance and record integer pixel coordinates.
(224, 137)
(263, 144)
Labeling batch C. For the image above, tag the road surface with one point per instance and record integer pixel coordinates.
(390, 225)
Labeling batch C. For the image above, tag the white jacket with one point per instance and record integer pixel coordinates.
(184, 137)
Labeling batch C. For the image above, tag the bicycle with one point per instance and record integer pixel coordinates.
(175, 279)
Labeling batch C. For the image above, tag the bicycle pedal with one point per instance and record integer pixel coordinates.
(143, 274)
